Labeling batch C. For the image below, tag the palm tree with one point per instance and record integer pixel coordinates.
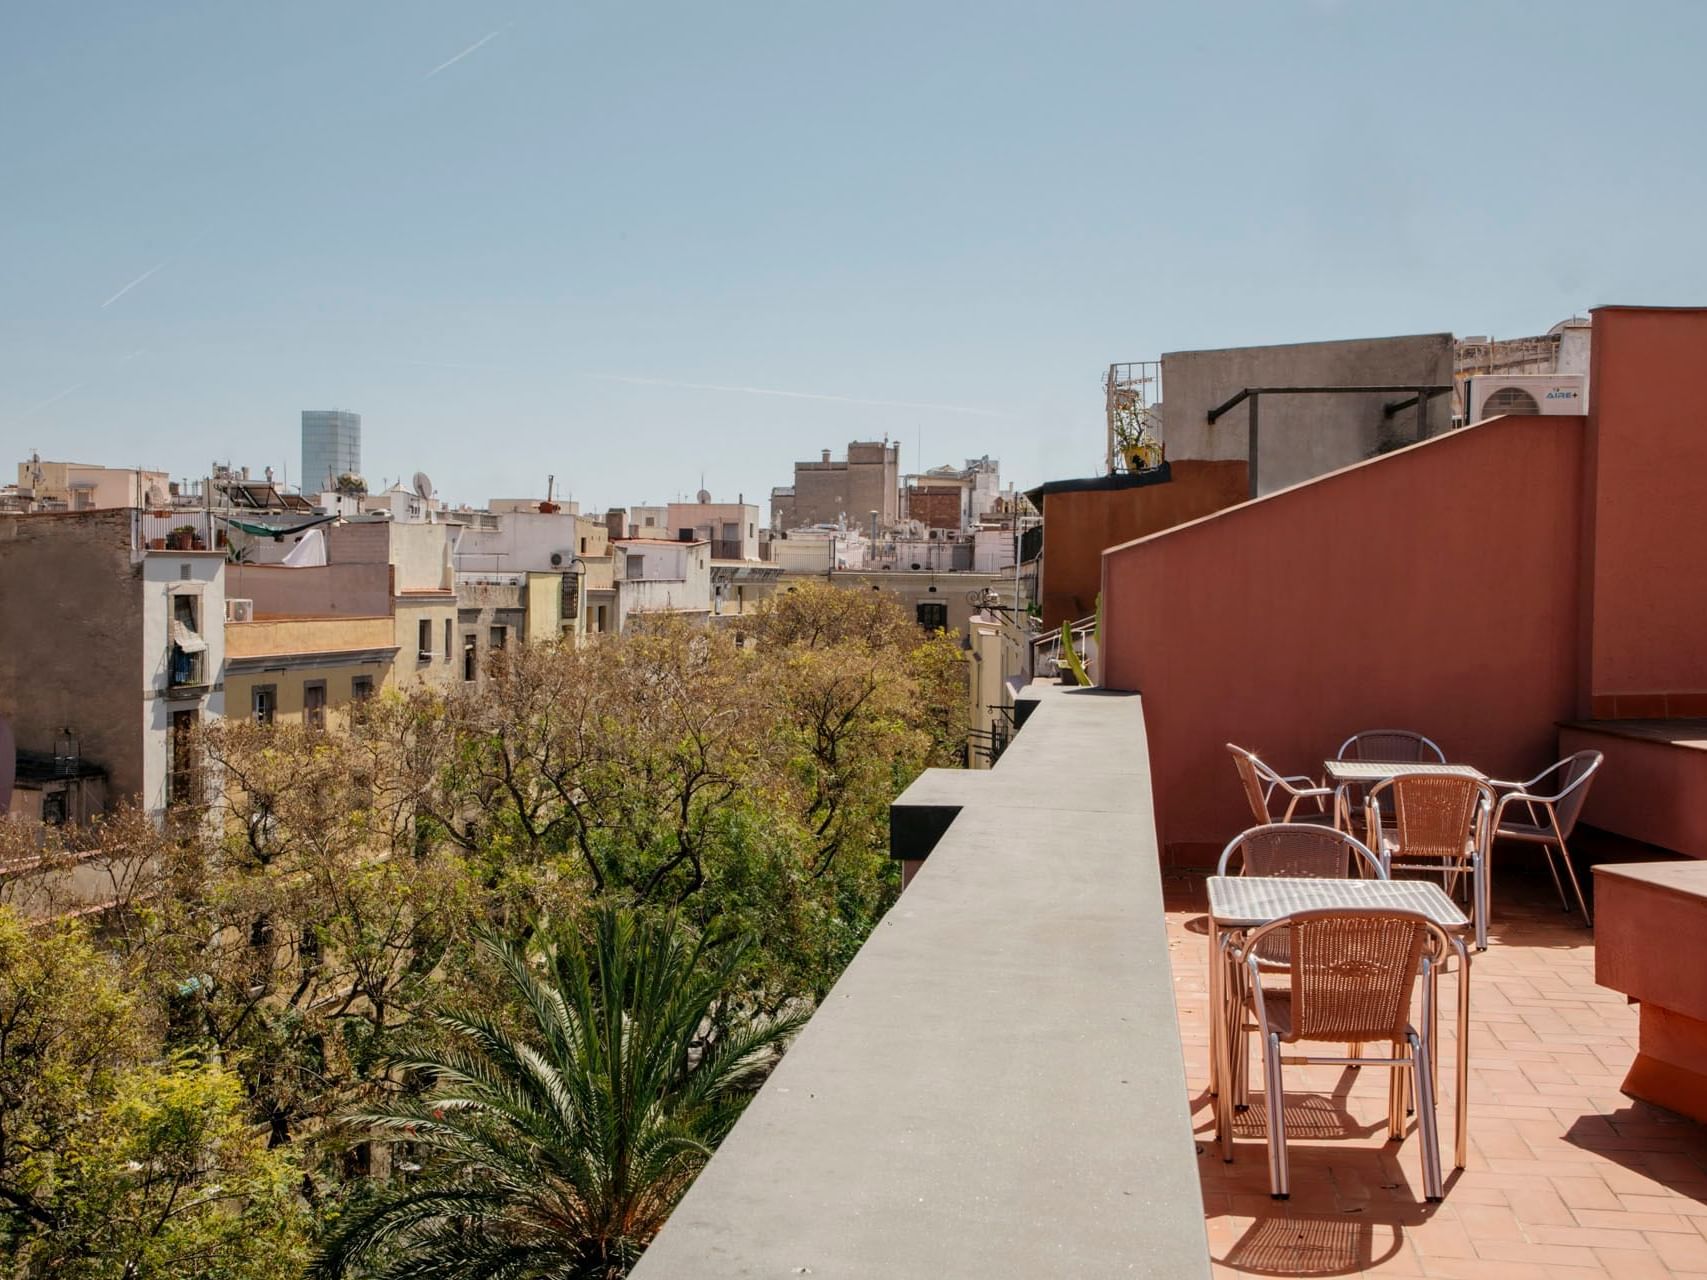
(560, 1151)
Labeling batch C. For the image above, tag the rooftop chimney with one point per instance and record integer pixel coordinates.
(826, 455)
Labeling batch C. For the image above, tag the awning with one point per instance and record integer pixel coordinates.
(186, 639)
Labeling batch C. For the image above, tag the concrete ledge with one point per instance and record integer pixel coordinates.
(995, 1087)
(1653, 786)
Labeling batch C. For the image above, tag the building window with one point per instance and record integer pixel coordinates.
(496, 638)
(53, 809)
(361, 688)
(181, 780)
(188, 648)
(424, 639)
(933, 615)
(264, 702)
(636, 569)
(314, 704)
(470, 659)
(583, 546)
(450, 637)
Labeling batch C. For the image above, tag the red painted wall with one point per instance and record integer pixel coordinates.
(1647, 436)
(1079, 526)
(1435, 588)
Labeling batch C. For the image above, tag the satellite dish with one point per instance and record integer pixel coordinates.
(155, 498)
(423, 485)
(703, 497)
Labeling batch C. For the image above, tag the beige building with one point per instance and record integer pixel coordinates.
(304, 645)
(850, 489)
(83, 486)
(732, 528)
(423, 592)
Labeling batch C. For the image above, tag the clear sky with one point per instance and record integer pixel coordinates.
(583, 238)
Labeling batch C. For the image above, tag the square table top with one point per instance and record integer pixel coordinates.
(1244, 902)
(1342, 771)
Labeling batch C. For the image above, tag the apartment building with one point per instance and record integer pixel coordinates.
(847, 489)
(655, 576)
(114, 640)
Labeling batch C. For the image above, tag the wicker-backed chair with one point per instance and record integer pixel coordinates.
(1353, 976)
(1299, 849)
(1262, 784)
(1390, 746)
(1387, 746)
(1438, 821)
(1552, 801)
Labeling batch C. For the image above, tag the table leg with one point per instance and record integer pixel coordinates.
(1214, 1011)
(1460, 1158)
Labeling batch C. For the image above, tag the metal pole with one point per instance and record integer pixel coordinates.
(1251, 448)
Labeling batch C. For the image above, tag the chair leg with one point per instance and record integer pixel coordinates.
(1570, 870)
(1395, 1098)
(1553, 870)
(1279, 1182)
(1427, 1131)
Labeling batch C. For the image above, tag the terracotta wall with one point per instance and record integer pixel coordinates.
(360, 589)
(1080, 525)
(1647, 635)
(1434, 588)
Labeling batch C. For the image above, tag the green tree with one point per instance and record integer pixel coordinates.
(556, 1147)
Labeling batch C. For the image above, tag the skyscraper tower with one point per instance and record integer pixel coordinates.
(331, 447)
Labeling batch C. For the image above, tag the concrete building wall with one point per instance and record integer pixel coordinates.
(360, 590)
(165, 576)
(1287, 623)
(71, 638)
(1648, 458)
(1080, 524)
(85, 486)
(288, 655)
(1302, 436)
(713, 520)
(437, 662)
(956, 592)
(868, 479)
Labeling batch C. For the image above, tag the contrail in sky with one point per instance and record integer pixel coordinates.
(798, 395)
(451, 62)
(121, 293)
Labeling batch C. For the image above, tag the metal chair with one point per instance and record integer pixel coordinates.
(1391, 745)
(1353, 976)
(1553, 808)
(1439, 822)
(1261, 784)
(1300, 849)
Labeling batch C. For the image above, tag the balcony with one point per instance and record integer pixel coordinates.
(995, 1086)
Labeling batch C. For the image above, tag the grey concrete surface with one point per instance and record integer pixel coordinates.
(1303, 436)
(995, 1087)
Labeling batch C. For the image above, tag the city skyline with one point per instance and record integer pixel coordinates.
(546, 241)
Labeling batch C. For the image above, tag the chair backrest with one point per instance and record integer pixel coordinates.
(1353, 972)
(1574, 781)
(1391, 745)
(1299, 850)
(1255, 793)
(1434, 814)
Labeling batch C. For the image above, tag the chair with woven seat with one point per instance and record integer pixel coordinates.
(1353, 977)
(1552, 800)
(1262, 784)
(1439, 822)
(1296, 850)
(1391, 746)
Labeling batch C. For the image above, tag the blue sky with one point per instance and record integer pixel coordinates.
(943, 219)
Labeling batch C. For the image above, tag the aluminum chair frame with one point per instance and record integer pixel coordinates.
(1261, 782)
(1420, 741)
(1558, 828)
(1356, 857)
(1472, 860)
(1430, 947)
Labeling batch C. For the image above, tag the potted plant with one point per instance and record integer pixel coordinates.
(182, 538)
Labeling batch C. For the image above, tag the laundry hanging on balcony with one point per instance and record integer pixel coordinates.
(185, 637)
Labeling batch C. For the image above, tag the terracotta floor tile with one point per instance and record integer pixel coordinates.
(1568, 1177)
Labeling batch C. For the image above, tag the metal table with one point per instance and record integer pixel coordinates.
(1241, 903)
(1342, 775)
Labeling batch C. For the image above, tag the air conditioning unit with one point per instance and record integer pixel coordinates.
(1491, 395)
(239, 610)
